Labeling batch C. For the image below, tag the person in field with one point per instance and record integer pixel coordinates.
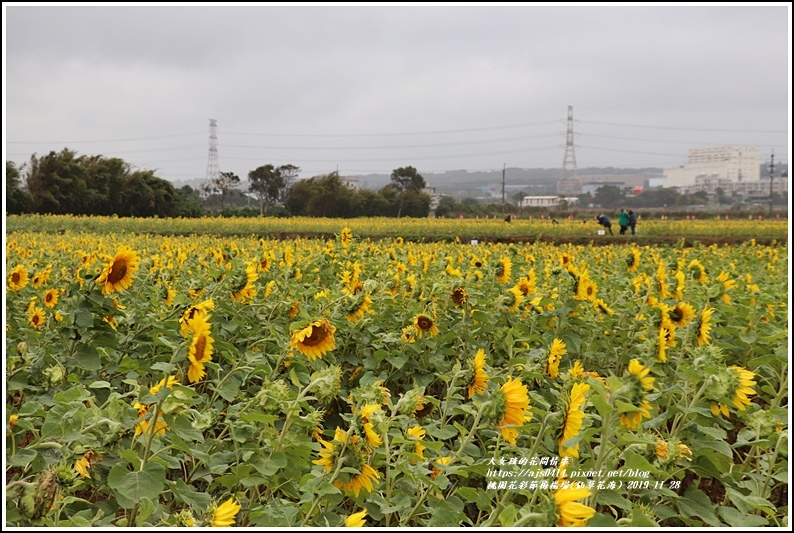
(632, 221)
(623, 221)
(604, 221)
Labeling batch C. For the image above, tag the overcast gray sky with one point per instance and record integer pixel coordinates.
(367, 89)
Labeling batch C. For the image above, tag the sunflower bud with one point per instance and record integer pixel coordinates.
(273, 396)
(54, 374)
(22, 347)
(65, 476)
(327, 382)
(408, 402)
(46, 488)
(185, 518)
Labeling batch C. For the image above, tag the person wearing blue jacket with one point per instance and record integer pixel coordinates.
(604, 221)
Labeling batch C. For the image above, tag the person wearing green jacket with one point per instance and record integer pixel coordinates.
(623, 221)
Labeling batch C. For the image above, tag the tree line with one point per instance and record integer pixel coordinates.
(65, 183)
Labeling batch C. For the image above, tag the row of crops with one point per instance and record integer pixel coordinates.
(161, 380)
(649, 229)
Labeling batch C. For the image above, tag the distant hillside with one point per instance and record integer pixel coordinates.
(532, 178)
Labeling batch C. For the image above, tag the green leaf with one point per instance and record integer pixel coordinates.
(442, 433)
(695, 503)
(445, 514)
(87, 357)
(613, 499)
(23, 457)
(508, 516)
(736, 519)
(131, 487)
(189, 495)
(182, 426)
(602, 520)
(637, 462)
(640, 519)
(84, 318)
(399, 360)
(230, 387)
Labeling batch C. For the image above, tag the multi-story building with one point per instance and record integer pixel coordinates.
(728, 163)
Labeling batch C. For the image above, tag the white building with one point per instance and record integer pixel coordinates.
(546, 201)
(721, 163)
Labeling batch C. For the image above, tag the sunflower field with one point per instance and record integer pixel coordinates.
(207, 380)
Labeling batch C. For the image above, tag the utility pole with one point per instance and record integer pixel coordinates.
(504, 166)
(771, 175)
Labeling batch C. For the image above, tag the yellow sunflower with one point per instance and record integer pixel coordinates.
(119, 271)
(516, 404)
(639, 383)
(704, 328)
(81, 466)
(36, 317)
(698, 271)
(51, 298)
(574, 417)
(514, 298)
(359, 307)
(569, 511)
(200, 348)
(424, 324)
(356, 519)
(246, 290)
(557, 350)
(681, 314)
(315, 340)
(18, 278)
(633, 261)
(479, 376)
(417, 434)
(202, 309)
(504, 269)
(346, 237)
(225, 514)
(744, 387)
(459, 296)
(661, 354)
(727, 284)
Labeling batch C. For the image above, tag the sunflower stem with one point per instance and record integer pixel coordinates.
(294, 407)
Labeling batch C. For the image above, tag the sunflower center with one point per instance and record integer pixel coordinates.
(15, 277)
(424, 323)
(48, 297)
(201, 345)
(118, 271)
(35, 320)
(316, 337)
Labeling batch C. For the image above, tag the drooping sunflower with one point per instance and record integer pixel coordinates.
(117, 274)
(661, 281)
(504, 269)
(639, 382)
(727, 284)
(424, 324)
(36, 317)
(81, 466)
(513, 298)
(661, 353)
(459, 296)
(744, 387)
(479, 377)
(246, 290)
(698, 271)
(18, 278)
(514, 401)
(704, 328)
(574, 417)
(346, 446)
(315, 340)
(557, 350)
(662, 449)
(201, 309)
(200, 348)
(602, 306)
(680, 283)
(225, 514)
(358, 307)
(569, 511)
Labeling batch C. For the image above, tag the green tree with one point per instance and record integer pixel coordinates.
(17, 198)
(609, 196)
(269, 183)
(223, 184)
(406, 179)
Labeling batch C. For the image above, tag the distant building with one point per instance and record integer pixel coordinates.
(727, 163)
(435, 198)
(546, 201)
(569, 186)
(350, 181)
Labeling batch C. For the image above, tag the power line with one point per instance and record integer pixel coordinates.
(104, 141)
(679, 128)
